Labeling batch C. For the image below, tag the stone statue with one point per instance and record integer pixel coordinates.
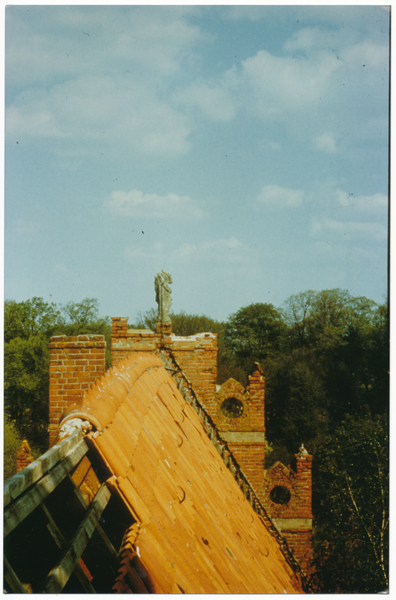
(163, 295)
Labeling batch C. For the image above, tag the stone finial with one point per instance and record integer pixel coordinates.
(302, 452)
(256, 369)
(163, 295)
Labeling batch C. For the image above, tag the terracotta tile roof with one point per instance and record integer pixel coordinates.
(197, 532)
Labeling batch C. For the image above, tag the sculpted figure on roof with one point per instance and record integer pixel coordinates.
(163, 298)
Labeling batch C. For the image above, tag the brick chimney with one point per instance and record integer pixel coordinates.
(76, 362)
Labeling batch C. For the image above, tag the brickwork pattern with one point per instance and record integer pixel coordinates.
(251, 458)
(230, 389)
(76, 362)
(300, 543)
(256, 391)
(299, 506)
(23, 456)
(249, 455)
(304, 478)
(196, 355)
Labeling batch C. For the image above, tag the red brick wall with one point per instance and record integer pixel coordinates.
(304, 485)
(257, 400)
(300, 542)
(196, 355)
(76, 362)
(251, 457)
(23, 456)
(294, 517)
(244, 434)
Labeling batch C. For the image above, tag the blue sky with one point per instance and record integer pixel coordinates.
(244, 149)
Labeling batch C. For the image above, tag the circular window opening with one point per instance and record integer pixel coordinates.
(280, 494)
(232, 408)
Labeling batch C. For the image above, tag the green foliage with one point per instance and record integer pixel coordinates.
(183, 324)
(29, 318)
(295, 405)
(26, 387)
(255, 333)
(80, 318)
(325, 357)
(28, 327)
(12, 443)
(351, 508)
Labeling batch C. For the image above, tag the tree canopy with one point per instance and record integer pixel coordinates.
(28, 326)
(325, 356)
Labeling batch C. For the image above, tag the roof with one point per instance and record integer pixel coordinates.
(157, 499)
(198, 533)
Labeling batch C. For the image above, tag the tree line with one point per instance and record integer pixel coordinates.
(325, 356)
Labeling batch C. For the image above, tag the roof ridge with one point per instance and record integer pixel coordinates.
(187, 391)
(107, 386)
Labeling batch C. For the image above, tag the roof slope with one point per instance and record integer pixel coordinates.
(198, 533)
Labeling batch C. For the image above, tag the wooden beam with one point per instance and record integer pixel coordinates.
(12, 579)
(21, 508)
(61, 543)
(99, 528)
(15, 486)
(59, 575)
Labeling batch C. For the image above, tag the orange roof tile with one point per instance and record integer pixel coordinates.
(198, 533)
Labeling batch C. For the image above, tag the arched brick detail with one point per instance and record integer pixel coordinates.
(293, 519)
(232, 389)
(279, 475)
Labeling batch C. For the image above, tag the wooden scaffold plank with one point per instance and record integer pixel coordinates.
(61, 543)
(12, 579)
(59, 575)
(99, 528)
(15, 486)
(21, 508)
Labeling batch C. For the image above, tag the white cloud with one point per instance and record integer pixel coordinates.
(101, 109)
(236, 13)
(377, 203)
(280, 83)
(304, 39)
(40, 122)
(214, 101)
(137, 204)
(274, 195)
(350, 230)
(356, 219)
(325, 141)
(94, 40)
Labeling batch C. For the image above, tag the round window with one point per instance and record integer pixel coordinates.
(280, 494)
(232, 408)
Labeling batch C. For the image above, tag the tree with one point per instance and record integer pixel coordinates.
(185, 324)
(28, 328)
(351, 508)
(12, 443)
(26, 387)
(294, 402)
(29, 318)
(255, 333)
(80, 318)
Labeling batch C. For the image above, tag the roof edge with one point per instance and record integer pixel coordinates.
(187, 391)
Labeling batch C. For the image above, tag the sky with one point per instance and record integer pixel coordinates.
(243, 149)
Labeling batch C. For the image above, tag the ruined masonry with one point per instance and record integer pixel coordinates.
(237, 413)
